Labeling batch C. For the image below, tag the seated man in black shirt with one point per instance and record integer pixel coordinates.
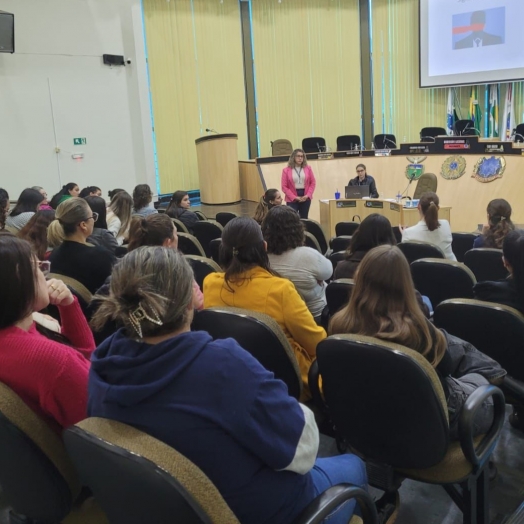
(363, 179)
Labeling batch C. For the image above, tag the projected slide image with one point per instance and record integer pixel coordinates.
(479, 28)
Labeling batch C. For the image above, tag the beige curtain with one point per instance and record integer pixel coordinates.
(307, 64)
(197, 81)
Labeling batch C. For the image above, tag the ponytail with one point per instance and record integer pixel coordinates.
(500, 224)
(429, 205)
(261, 210)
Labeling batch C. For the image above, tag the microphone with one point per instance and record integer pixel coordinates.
(211, 131)
(515, 135)
(411, 178)
(427, 139)
(319, 148)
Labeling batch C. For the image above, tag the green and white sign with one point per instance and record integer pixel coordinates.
(79, 141)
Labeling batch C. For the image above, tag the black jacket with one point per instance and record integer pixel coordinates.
(368, 181)
(500, 292)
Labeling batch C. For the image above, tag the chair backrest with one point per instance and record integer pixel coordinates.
(281, 147)
(37, 477)
(200, 215)
(12, 230)
(495, 329)
(336, 257)
(205, 231)
(202, 266)
(189, 245)
(313, 144)
(214, 249)
(462, 242)
(486, 263)
(397, 234)
(77, 288)
(136, 478)
(346, 228)
(258, 334)
(313, 227)
(519, 133)
(311, 241)
(427, 182)
(428, 134)
(440, 279)
(340, 243)
(348, 142)
(180, 226)
(338, 293)
(385, 399)
(414, 250)
(224, 217)
(385, 141)
(465, 128)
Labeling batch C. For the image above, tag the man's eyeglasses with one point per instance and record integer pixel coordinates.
(44, 266)
(94, 217)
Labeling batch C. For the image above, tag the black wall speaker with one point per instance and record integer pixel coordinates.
(7, 32)
(114, 60)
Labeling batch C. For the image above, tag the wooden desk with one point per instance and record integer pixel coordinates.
(334, 211)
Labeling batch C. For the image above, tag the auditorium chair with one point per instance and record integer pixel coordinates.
(205, 231)
(39, 482)
(258, 334)
(311, 241)
(465, 128)
(200, 215)
(224, 217)
(180, 226)
(346, 228)
(385, 141)
(348, 142)
(281, 147)
(397, 234)
(462, 242)
(316, 230)
(486, 264)
(440, 279)
(340, 243)
(202, 266)
(414, 250)
(338, 293)
(426, 182)
(336, 257)
(189, 245)
(368, 387)
(428, 134)
(314, 144)
(157, 484)
(519, 133)
(214, 249)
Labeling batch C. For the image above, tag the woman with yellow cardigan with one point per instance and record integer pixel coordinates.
(249, 283)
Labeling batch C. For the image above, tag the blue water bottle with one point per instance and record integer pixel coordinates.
(337, 194)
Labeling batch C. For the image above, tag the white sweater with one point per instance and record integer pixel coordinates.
(440, 237)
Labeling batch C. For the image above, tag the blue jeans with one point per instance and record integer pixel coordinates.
(330, 471)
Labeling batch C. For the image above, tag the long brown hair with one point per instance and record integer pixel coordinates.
(35, 231)
(291, 161)
(383, 304)
(429, 203)
(264, 205)
(500, 224)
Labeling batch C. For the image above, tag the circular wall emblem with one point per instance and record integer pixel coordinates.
(489, 169)
(453, 167)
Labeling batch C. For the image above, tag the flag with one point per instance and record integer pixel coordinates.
(493, 129)
(475, 112)
(508, 119)
(450, 125)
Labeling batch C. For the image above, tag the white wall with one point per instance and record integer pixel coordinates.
(55, 88)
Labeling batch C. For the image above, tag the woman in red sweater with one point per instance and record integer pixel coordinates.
(49, 376)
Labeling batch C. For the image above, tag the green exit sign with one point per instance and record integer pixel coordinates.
(79, 141)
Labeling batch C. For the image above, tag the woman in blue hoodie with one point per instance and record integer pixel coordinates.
(209, 399)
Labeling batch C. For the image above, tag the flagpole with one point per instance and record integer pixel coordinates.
(486, 112)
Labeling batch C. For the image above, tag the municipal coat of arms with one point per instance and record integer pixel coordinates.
(415, 169)
(453, 167)
(490, 168)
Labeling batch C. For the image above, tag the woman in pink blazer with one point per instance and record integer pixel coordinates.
(298, 183)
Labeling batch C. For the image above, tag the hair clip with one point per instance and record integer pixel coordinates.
(137, 315)
(235, 251)
(502, 218)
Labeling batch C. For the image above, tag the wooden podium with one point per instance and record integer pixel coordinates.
(217, 159)
(343, 210)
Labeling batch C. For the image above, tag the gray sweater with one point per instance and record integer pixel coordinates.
(19, 221)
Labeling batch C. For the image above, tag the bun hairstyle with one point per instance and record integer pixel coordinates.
(112, 192)
(429, 203)
(500, 224)
(150, 294)
(64, 191)
(513, 249)
(70, 213)
(264, 204)
(152, 230)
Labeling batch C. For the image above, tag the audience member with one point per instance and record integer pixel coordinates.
(45, 204)
(55, 235)
(142, 197)
(4, 207)
(430, 229)
(90, 191)
(179, 208)
(270, 199)
(100, 235)
(363, 179)
(375, 230)
(383, 305)
(304, 266)
(27, 205)
(50, 377)
(509, 291)
(249, 282)
(112, 192)
(119, 215)
(498, 226)
(75, 258)
(298, 183)
(158, 375)
(67, 191)
(35, 232)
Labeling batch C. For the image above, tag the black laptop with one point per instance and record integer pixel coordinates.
(357, 191)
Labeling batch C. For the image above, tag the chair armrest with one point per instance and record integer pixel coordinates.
(514, 387)
(312, 380)
(326, 502)
(477, 456)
